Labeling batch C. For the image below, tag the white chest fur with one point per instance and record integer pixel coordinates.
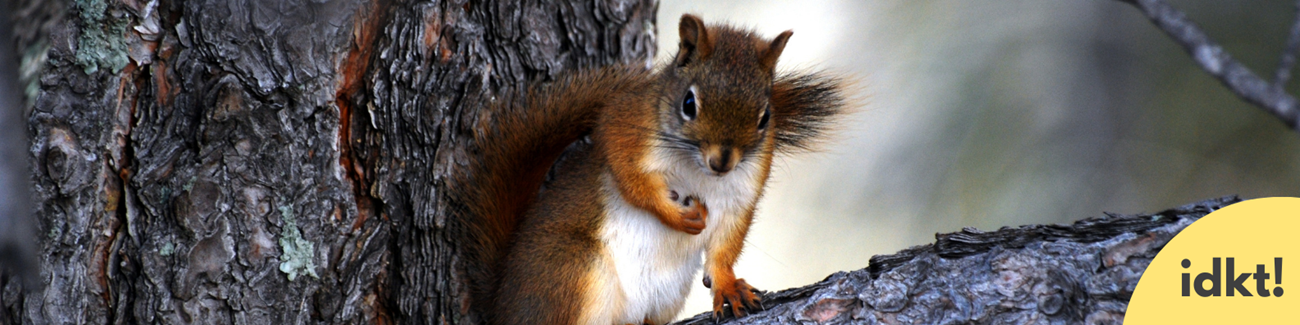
(653, 265)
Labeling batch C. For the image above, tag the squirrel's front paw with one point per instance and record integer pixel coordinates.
(738, 294)
(691, 216)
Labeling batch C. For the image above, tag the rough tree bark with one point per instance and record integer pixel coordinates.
(275, 162)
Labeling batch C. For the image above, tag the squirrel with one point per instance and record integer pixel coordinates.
(657, 169)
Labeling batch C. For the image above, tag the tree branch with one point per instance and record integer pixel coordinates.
(1270, 97)
(1283, 74)
(1083, 272)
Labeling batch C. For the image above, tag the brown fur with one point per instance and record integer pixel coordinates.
(545, 274)
(518, 142)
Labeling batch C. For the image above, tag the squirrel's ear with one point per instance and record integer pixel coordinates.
(695, 39)
(768, 59)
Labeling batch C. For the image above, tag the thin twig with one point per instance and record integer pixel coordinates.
(1288, 54)
(1218, 63)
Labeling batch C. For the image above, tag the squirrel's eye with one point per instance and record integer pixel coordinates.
(762, 120)
(688, 105)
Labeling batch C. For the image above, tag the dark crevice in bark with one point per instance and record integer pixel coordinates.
(370, 20)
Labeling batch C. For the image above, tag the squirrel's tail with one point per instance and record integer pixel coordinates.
(518, 140)
(803, 105)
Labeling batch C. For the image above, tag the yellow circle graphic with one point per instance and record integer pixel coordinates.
(1230, 267)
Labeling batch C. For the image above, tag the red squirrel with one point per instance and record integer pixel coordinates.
(662, 168)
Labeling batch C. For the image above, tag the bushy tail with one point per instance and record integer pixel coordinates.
(803, 105)
(518, 142)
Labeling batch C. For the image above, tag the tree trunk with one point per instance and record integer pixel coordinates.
(277, 162)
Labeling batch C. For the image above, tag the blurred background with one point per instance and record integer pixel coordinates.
(1002, 113)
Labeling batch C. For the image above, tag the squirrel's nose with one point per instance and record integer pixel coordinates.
(720, 162)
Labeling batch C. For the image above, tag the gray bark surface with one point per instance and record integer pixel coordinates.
(276, 162)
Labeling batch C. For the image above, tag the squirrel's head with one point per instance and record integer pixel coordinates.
(717, 95)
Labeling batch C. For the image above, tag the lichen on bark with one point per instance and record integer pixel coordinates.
(101, 43)
(297, 252)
